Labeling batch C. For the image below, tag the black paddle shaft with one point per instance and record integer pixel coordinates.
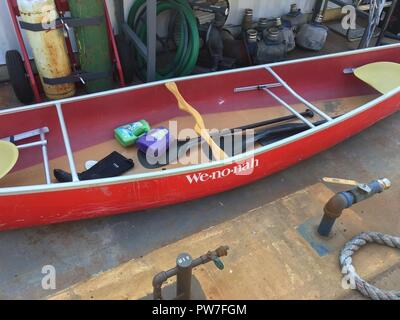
(307, 114)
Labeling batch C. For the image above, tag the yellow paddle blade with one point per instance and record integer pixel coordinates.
(200, 127)
(8, 157)
(382, 76)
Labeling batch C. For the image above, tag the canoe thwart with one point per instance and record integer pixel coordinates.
(41, 132)
(281, 83)
(258, 87)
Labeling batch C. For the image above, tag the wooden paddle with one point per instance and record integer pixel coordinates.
(382, 76)
(8, 157)
(200, 127)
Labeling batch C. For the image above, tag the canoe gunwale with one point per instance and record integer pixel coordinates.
(191, 168)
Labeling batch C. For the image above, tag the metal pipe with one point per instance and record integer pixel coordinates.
(158, 281)
(369, 31)
(344, 200)
(151, 17)
(31, 145)
(386, 23)
(26, 135)
(135, 40)
(210, 256)
(45, 159)
(291, 109)
(259, 87)
(333, 210)
(319, 10)
(296, 95)
(67, 143)
(183, 272)
(42, 143)
(184, 263)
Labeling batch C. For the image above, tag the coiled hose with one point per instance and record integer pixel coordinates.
(188, 47)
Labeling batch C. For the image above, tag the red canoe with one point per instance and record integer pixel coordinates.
(65, 134)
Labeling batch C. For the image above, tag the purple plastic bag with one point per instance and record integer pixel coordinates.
(155, 143)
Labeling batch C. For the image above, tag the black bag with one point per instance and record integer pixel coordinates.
(113, 165)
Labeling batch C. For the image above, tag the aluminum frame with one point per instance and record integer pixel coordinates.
(41, 143)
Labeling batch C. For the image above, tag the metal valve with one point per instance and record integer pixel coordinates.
(183, 271)
(218, 263)
(343, 200)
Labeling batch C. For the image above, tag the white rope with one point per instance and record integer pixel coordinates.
(346, 261)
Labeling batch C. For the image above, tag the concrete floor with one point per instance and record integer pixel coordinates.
(81, 249)
(274, 253)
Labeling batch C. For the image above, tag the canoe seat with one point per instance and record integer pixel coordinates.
(382, 76)
(8, 157)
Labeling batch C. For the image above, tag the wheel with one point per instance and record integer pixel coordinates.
(18, 77)
(126, 55)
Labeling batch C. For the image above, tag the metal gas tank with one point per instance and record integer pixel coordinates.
(272, 48)
(48, 47)
(93, 43)
(295, 17)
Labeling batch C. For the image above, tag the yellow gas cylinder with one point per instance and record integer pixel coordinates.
(48, 46)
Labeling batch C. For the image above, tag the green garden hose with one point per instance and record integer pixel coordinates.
(188, 47)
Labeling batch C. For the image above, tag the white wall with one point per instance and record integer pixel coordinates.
(8, 39)
(265, 8)
(262, 8)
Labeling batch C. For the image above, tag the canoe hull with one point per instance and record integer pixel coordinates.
(22, 210)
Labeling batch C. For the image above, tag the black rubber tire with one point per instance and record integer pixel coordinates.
(126, 54)
(18, 77)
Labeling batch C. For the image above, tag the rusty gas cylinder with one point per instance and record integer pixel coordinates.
(48, 46)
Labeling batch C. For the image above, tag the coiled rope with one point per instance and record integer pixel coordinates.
(346, 261)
